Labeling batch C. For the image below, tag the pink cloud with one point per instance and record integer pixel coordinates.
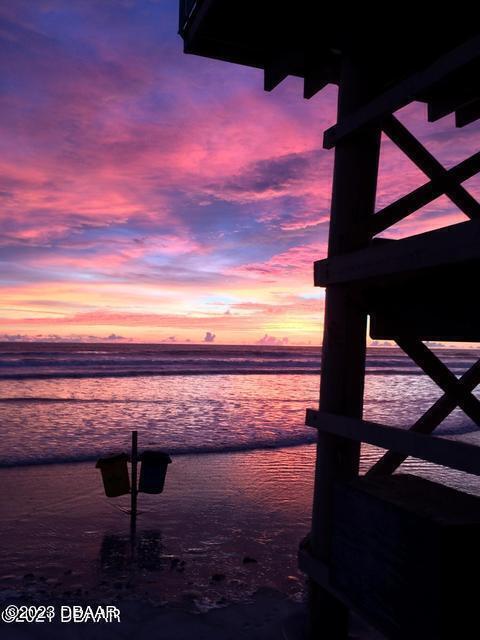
(286, 265)
(128, 168)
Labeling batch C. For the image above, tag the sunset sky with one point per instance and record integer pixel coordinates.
(148, 195)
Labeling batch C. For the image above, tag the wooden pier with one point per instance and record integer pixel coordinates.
(379, 68)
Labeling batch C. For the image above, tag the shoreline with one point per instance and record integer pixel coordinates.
(178, 453)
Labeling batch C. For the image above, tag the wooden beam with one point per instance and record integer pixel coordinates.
(450, 453)
(441, 375)
(441, 107)
(453, 99)
(312, 84)
(452, 245)
(414, 149)
(313, 567)
(403, 93)
(193, 16)
(185, 9)
(467, 114)
(344, 341)
(319, 71)
(430, 420)
(420, 197)
(273, 76)
(343, 356)
(434, 305)
(319, 572)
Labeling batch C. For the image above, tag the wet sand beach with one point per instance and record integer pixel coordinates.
(214, 555)
(226, 525)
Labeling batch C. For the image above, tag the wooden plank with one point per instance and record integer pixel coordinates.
(404, 92)
(450, 453)
(402, 509)
(405, 552)
(416, 307)
(420, 197)
(344, 341)
(427, 423)
(414, 149)
(436, 318)
(455, 244)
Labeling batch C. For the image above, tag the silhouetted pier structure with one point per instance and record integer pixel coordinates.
(414, 289)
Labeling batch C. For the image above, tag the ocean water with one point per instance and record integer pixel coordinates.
(242, 475)
(73, 402)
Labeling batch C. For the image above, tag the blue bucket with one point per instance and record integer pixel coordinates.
(153, 471)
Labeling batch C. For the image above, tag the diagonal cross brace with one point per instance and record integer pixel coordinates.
(430, 420)
(441, 374)
(415, 150)
(403, 207)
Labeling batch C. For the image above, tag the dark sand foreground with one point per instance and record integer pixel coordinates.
(225, 526)
(214, 556)
(266, 617)
(260, 619)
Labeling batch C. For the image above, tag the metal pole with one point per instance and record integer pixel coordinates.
(344, 342)
(133, 490)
